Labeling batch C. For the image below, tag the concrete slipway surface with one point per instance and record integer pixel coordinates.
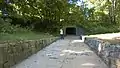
(68, 53)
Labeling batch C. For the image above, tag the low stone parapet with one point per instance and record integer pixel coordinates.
(12, 52)
(109, 53)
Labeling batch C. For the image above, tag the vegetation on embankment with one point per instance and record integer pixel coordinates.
(49, 16)
(101, 28)
(24, 36)
(9, 31)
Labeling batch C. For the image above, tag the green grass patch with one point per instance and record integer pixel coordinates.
(24, 36)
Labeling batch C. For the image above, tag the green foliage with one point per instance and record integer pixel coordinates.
(15, 32)
(1, 20)
(51, 15)
(52, 11)
(102, 28)
(6, 27)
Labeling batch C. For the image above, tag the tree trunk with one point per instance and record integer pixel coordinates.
(112, 14)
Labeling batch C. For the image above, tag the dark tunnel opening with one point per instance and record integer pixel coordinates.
(71, 31)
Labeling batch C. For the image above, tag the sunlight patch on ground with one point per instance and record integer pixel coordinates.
(62, 54)
(76, 41)
(79, 52)
(105, 36)
(88, 64)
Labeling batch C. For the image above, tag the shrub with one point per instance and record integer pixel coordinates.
(99, 28)
(6, 27)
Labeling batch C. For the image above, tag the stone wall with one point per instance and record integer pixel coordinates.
(12, 52)
(110, 53)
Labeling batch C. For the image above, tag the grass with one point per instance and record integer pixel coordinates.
(24, 36)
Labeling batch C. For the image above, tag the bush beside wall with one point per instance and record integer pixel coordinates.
(12, 52)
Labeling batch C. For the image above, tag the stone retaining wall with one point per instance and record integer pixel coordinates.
(12, 52)
(110, 53)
